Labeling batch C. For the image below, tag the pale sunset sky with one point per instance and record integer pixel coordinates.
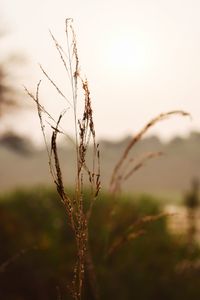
(141, 58)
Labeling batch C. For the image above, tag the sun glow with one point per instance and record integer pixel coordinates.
(128, 54)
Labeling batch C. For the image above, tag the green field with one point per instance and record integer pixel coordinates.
(37, 250)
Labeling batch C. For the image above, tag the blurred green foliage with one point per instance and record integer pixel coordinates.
(37, 252)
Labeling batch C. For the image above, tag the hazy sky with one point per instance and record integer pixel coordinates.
(141, 57)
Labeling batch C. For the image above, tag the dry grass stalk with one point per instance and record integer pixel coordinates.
(78, 214)
(132, 232)
(59, 297)
(121, 240)
(117, 174)
(14, 258)
(130, 168)
(141, 163)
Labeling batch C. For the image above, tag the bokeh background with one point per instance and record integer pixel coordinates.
(141, 58)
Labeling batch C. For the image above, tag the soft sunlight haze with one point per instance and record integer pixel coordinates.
(141, 58)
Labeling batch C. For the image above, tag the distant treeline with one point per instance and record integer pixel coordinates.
(23, 165)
